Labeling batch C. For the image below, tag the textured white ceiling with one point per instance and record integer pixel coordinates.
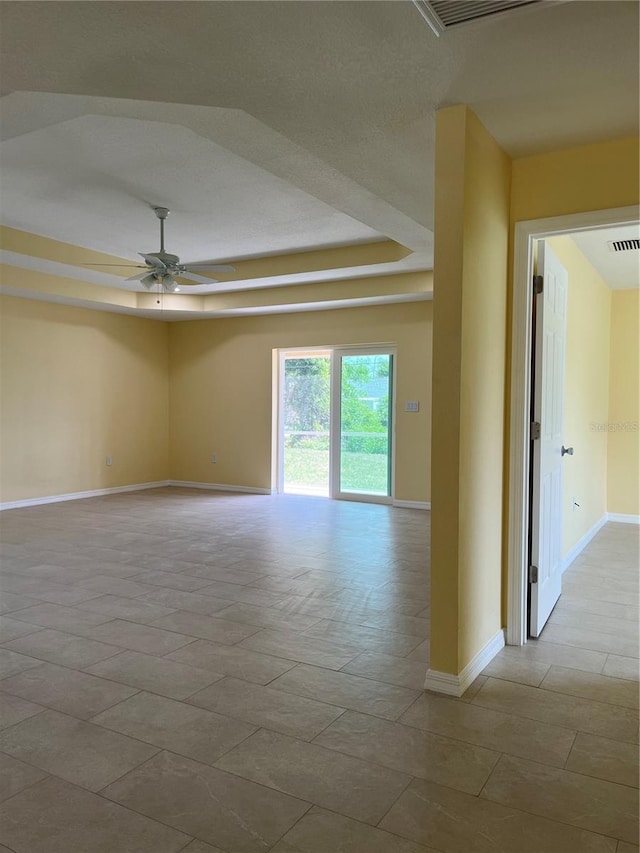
(91, 180)
(621, 270)
(321, 115)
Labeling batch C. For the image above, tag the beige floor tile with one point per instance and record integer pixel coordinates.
(572, 604)
(347, 691)
(232, 660)
(201, 847)
(206, 627)
(511, 668)
(219, 808)
(623, 847)
(371, 639)
(297, 647)
(599, 623)
(106, 585)
(77, 751)
(157, 675)
(240, 593)
(15, 776)
(171, 580)
(271, 709)
(460, 823)
(605, 759)
(13, 710)
(622, 667)
(267, 617)
(582, 801)
(139, 638)
(56, 817)
(397, 622)
(65, 649)
(392, 670)
(184, 729)
(350, 786)
(585, 638)
(421, 652)
(602, 688)
(12, 662)
(11, 629)
(60, 617)
(491, 729)
(321, 831)
(55, 593)
(75, 693)
(10, 603)
(559, 709)
(120, 607)
(409, 750)
(190, 601)
(556, 653)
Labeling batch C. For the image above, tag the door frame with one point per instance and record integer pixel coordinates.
(334, 459)
(526, 233)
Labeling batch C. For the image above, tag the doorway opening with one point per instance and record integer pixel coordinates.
(521, 568)
(335, 423)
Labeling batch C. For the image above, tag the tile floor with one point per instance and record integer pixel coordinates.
(198, 672)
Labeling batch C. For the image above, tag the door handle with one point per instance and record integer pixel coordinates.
(567, 450)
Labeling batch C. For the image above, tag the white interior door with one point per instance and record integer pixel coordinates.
(546, 516)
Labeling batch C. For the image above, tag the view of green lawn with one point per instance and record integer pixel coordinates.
(361, 472)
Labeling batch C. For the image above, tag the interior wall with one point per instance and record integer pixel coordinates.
(470, 284)
(77, 385)
(623, 438)
(221, 389)
(586, 394)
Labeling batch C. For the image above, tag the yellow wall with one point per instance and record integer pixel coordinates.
(76, 386)
(221, 379)
(471, 228)
(623, 441)
(586, 393)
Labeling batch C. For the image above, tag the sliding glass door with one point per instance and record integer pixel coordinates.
(335, 423)
(363, 406)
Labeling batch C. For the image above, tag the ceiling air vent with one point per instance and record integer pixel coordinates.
(624, 245)
(441, 15)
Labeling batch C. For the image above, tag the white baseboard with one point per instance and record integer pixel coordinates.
(582, 543)
(624, 519)
(219, 487)
(76, 496)
(412, 504)
(455, 685)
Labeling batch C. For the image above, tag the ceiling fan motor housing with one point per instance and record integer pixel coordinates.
(165, 258)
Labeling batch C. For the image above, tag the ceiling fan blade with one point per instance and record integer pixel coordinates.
(153, 261)
(212, 267)
(198, 279)
(138, 276)
(133, 266)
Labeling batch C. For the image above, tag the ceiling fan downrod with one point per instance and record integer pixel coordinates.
(161, 213)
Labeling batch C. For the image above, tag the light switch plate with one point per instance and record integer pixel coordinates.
(412, 406)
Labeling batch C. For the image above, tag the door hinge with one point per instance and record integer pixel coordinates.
(535, 430)
(533, 574)
(537, 284)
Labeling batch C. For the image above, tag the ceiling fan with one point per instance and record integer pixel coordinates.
(160, 269)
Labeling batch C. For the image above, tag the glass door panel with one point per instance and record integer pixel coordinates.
(306, 398)
(365, 387)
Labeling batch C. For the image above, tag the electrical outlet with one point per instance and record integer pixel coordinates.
(108, 461)
(214, 458)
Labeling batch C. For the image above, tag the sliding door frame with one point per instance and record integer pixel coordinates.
(334, 458)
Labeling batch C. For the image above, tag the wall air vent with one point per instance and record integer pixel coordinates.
(624, 245)
(441, 15)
